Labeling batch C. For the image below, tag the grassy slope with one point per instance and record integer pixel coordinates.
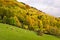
(8, 32)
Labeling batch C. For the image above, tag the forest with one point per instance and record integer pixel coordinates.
(24, 16)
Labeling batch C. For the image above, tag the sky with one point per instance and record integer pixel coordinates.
(51, 7)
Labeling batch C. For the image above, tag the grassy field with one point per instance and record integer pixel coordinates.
(8, 32)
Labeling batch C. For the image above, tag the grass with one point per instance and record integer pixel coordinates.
(8, 32)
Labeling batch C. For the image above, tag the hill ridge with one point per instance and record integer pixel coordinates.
(22, 15)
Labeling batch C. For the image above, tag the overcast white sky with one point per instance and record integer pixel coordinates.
(49, 6)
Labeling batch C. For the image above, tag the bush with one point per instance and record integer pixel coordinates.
(4, 19)
(1, 21)
(54, 31)
(25, 26)
(40, 32)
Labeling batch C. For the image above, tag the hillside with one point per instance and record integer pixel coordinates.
(8, 32)
(23, 16)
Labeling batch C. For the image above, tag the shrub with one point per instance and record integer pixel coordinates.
(25, 26)
(40, 32)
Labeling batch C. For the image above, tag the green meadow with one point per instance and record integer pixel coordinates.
(8, 32)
